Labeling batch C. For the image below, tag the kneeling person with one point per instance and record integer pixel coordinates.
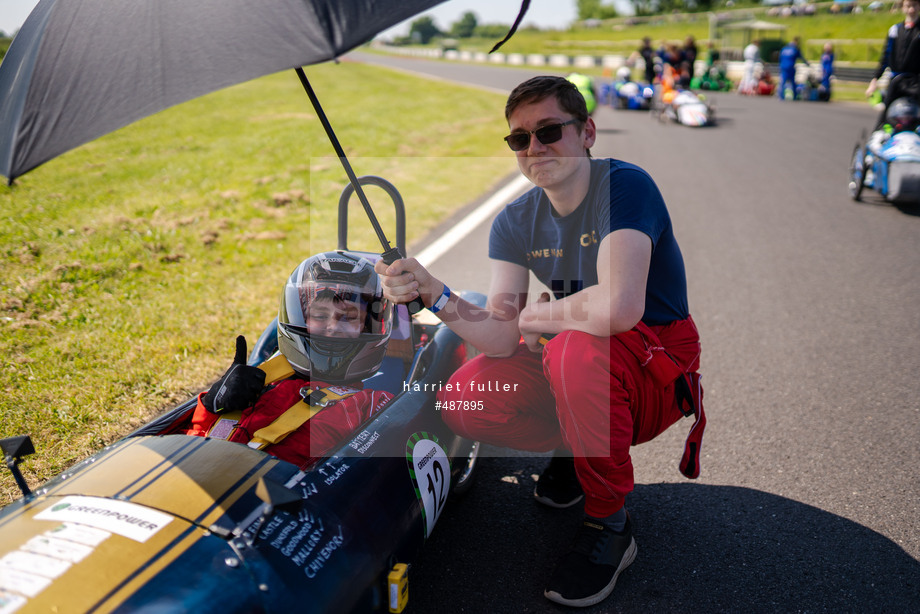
(333, 328)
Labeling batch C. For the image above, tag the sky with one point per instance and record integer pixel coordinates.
(542, 13)
(13, 13)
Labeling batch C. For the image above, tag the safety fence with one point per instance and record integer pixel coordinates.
(608, 63)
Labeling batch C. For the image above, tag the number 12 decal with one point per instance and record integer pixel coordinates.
(430, 471)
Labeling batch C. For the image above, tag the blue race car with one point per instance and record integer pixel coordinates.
(162, 521)
(888, 161)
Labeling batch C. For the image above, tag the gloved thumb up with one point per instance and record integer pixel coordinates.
(241, 354)
(240, 386)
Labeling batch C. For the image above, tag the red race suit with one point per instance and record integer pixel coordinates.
(317, 436)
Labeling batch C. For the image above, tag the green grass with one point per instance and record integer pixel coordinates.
(128, 266)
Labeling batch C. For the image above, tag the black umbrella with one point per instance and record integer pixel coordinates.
(79, 69)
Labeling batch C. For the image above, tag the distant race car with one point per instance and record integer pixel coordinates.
(684, 107)
(713, 79)
(166, 522)
(632, 95)
(625, 93)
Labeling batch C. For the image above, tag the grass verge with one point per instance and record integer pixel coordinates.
(130, 264)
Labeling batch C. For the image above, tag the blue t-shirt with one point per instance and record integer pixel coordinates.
(562, 251)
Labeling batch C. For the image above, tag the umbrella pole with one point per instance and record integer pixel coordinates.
(390, 254)
(348, 170)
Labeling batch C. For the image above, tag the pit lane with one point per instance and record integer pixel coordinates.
(807, 306)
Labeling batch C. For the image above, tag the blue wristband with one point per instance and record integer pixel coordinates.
(442, 301)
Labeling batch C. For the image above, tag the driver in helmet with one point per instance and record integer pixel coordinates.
(903, 115)
(335, 312)
(333, 330)
(901, 55)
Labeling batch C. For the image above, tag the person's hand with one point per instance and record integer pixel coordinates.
(532, 335)
(873, 85)
(406, 279)
(240, 386)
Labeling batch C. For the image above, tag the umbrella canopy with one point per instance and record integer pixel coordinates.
(79, 69)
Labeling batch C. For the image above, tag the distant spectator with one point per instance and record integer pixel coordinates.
(788, 56)
(713, 56)
(648, 54)
(827, 71)
(671, 56)
(751, 56)
(690, 53)
(765, 85)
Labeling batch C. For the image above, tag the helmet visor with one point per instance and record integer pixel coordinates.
(334, 309)
(903, 114)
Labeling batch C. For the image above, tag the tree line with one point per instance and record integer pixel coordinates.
(424, 29)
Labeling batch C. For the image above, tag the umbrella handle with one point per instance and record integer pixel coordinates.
(389, 257)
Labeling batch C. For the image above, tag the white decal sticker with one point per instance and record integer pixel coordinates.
(88, 536)
(430, 470)
(126, 519)
(21, 582)
(37, 564)
(223, 428)
(364, 440)
(57, 548)
(9, 602)
(342, 390)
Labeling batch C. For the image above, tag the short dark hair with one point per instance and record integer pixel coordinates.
(539, 88)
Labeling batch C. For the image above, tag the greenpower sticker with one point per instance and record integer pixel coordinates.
(430, 471)
(121, 517)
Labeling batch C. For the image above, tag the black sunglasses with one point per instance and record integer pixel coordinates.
(519, 141)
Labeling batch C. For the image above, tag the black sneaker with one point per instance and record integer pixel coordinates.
(586, 574)
(558, 485)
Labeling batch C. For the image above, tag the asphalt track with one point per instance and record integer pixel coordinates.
(808, 306)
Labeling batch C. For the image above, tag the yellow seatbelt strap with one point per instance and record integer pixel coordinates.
(296, 416)
(284, 425)
(276, 369)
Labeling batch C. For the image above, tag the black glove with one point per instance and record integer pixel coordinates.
(240, 386)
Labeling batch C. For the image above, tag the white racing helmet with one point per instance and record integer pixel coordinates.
(334, 322)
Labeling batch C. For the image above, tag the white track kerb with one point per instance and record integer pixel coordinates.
(456, 234)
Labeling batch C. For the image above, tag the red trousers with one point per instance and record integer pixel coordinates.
(595, 396)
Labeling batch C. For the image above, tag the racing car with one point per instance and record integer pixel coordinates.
(628, 94)
(713, 79)
(672, 103)
(167, 522)
(683, 107)
(888, 161)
